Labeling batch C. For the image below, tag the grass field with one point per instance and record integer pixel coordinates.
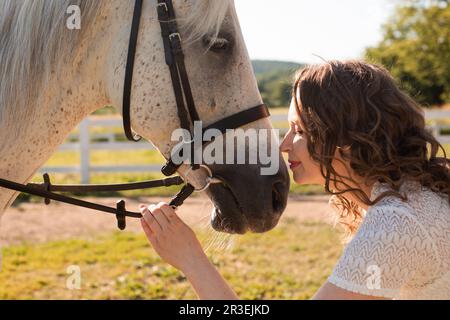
(123, 266)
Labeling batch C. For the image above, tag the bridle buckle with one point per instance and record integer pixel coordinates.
(175, 35)
(163, 4)
(208, 181)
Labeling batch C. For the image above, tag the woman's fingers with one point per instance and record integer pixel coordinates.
(169, 213)
(158, 217)
(161, 215)
(150, 234)
(170, 237)
(150, 219)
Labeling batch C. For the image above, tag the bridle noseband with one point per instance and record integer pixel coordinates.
(187, 113)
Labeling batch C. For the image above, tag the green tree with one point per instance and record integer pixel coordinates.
(416, 49)
(275, 80)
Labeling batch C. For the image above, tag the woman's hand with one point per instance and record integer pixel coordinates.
(177, 244)
(171, 238)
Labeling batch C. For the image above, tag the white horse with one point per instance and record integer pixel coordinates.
(52, 77)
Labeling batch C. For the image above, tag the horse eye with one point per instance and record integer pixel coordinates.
(217, 44)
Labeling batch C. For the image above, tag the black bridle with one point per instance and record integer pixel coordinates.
(187, 114)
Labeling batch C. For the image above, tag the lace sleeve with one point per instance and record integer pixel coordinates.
(391, 251)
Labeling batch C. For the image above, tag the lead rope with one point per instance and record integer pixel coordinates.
(45, 191)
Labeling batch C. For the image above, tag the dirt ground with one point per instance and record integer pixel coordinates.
(36, 222)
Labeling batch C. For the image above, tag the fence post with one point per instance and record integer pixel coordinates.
(85, 152)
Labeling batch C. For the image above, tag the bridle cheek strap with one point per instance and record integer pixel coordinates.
(126, 103)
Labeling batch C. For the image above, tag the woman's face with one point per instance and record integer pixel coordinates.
(305, 170)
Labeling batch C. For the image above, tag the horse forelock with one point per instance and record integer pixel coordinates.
(206, 17)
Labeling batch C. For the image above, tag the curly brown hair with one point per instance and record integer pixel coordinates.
(358, 106)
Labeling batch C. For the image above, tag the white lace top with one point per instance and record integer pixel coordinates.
(401, 249)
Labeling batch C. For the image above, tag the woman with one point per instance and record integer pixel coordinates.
(353, 131)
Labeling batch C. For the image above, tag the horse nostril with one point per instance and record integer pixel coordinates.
(277, 199)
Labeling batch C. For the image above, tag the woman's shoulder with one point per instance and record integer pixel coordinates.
(401, 239)
(421, 222)
(426, 207)
(392, 221)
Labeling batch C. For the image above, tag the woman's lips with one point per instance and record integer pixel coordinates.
(294, 164)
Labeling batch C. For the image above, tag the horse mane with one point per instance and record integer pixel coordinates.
(34, 40)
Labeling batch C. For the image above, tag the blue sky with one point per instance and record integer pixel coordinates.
(296, 30)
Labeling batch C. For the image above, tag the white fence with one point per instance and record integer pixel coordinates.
(434, 116)
(85, 145)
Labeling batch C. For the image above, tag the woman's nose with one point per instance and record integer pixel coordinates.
(286, 144)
